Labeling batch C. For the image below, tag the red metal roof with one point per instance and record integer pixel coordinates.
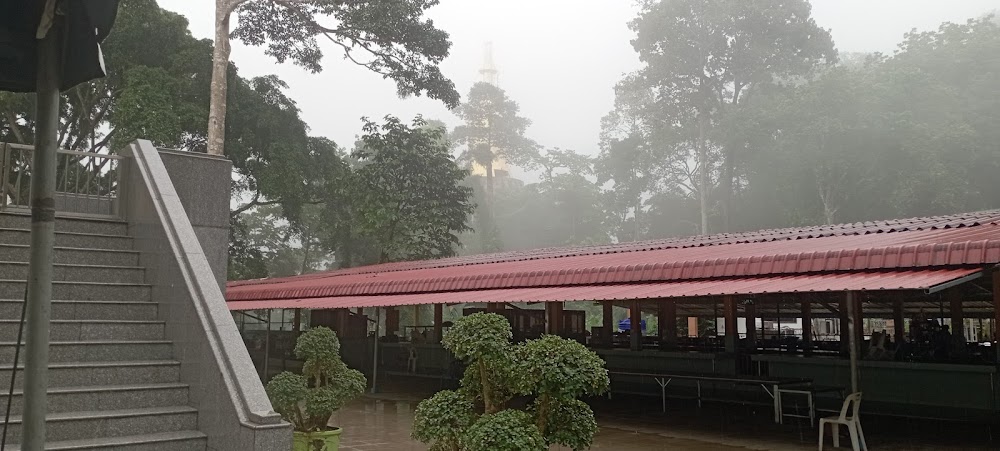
(852, 281)
(796, 233)
(966, 246)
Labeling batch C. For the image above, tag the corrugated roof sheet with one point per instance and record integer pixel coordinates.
(967, 246)
(852, 281)
(795, 233)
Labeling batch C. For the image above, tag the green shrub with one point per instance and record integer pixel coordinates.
(325, 385)
(507, 430)
(552, 370)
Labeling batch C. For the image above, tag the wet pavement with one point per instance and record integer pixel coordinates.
(383, 423)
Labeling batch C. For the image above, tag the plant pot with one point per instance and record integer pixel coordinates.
(316, 441)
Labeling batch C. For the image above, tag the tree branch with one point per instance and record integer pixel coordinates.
(14, 128)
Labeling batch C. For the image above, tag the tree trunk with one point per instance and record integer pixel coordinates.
(220, 66)
(490, 193)
(703, 174)
(728, 173)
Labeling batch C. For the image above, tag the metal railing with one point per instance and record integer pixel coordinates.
(87, 184)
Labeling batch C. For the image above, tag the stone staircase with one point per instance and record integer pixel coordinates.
(113, 380)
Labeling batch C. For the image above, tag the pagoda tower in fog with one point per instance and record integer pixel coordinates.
(489, 74)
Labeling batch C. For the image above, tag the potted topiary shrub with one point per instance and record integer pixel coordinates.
(551, 372)
(308, 400)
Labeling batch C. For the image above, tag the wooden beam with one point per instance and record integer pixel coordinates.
(732, 326)
(750, 312)
(954, 297)
(667, 320)
(859, 324)
(635, 329)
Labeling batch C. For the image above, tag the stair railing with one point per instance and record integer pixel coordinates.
(87, 183)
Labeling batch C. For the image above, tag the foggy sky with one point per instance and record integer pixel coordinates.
(559, 59)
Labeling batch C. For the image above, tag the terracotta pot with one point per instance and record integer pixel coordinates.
(316, 441)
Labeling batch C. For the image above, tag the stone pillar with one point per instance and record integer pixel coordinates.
(202, 183)
(635, 330)
(732, 326)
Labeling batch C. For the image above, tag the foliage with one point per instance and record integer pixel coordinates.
(408, 200)
(440, 420)
(509, 430)
(325, 385)
(552, 370)
(394, 38)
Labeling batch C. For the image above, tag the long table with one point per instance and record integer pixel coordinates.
(769, 384)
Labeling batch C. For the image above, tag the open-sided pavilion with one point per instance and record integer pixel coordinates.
(779, 303)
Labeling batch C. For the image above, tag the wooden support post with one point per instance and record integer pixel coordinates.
(750, 312)
(608, 322)
(635, 329)
(732, 327)
(898, 322)
(297, 322)
(859, 321)
(438, 322)
(554, 318)
(667, 319)
(807, 327)
(845, 336)
(391, 320)
(342, 317)
(850, 301)
(957, 319)
(996, 313)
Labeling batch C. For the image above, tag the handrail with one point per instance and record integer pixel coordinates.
(182, 274)
(87, 183)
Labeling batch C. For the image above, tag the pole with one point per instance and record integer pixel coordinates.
(43, 212)
(375, 352)
(267, 347)
(635, 325)
(852, 339)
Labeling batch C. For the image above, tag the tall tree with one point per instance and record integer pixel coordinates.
(408, 199)
(703, 59)
(492, 130)
(391, 38)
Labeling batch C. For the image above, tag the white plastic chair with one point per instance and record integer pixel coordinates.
(853, 423)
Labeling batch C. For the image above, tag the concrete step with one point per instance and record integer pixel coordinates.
(74, 256)
(70, 239)
(92, 425)
(166, 441)
(10, 309)
(90, 330)
(71, 374)
(109, 397)
(97, 351)
(63, 224)
(78, 273)
(82, 291)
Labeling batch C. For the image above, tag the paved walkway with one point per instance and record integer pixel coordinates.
(384, 424)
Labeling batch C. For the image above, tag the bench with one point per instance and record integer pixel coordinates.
(769, 384)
